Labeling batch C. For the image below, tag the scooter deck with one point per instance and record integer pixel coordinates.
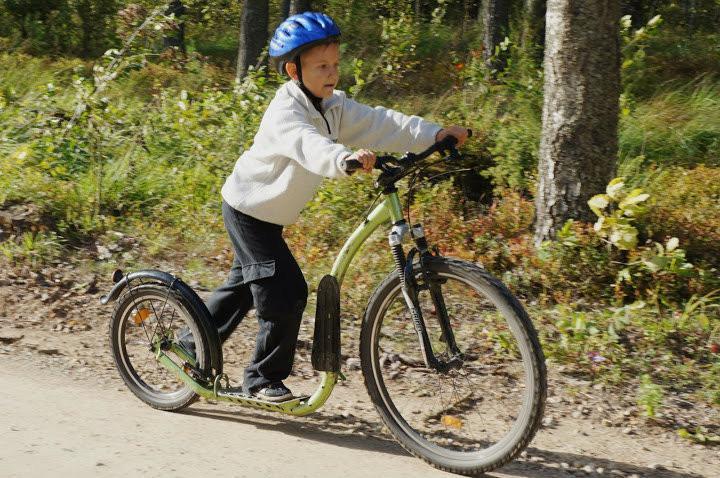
(238, 396)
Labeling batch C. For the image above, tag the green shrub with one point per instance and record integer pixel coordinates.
(685, 203)
(650, 396)
(32, 248)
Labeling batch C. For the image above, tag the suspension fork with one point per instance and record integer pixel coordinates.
(410, 290)
(434, 286)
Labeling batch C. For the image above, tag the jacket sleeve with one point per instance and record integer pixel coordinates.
(292, 136)
(384, 129)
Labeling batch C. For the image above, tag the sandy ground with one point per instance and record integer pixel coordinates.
(65, 411)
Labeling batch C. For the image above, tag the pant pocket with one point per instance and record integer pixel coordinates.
(257, 271)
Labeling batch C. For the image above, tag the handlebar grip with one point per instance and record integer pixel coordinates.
(450, 141)
(351, 165)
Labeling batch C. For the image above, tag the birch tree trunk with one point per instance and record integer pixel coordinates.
(253, 34)
(579, 141)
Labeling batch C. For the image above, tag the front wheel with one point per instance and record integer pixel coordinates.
(478, 415)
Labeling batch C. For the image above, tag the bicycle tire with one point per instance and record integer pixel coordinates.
(128, 307)
(446, 457)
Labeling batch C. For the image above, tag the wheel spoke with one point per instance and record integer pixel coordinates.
(132, 345)
(465, 409)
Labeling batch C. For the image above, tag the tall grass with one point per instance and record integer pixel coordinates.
(674, 128)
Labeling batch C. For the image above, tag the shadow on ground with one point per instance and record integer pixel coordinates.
(341, 431)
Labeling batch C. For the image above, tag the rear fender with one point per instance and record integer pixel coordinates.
(192, 300)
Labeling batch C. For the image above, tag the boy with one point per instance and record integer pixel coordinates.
(300, 140)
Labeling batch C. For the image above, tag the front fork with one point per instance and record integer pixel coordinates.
(411, 290)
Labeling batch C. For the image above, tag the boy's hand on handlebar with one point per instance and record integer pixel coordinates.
(367, 158)
(457, 131)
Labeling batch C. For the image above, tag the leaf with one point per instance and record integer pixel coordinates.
(624, 237)
(597, 203)
(626, 21)
(633, 210)
(656, 263)
(635, 196)
(654, 21)
(451, 421)
(598, 226)
(703, 321)
(614, 188)
(141, 316)
(637, 305)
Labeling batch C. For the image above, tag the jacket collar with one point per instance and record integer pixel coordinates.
(294, 91)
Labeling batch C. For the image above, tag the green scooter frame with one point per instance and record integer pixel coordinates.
(388, 211)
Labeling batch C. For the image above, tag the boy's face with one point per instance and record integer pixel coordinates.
(320, 69)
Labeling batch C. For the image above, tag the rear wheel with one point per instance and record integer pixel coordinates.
(473, 418)
(144, 317)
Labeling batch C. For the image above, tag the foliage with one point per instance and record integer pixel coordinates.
(63, 26)
(138, 143)
(676, 128)
(95, 158)
(33, 248)
(618, 225)
(656, 271)
(699, 435)
(684, 204)
(649, 396)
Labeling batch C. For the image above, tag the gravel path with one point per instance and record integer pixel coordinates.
(65, 410)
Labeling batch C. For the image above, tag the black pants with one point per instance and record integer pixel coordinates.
(265, 275)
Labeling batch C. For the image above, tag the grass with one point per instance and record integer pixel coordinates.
(149, 160)
(678, 128)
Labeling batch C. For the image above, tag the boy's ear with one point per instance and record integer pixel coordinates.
(291, 70)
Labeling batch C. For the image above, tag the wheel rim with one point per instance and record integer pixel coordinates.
(165, 316)
(477, 413)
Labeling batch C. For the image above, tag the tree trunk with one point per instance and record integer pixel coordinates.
(84, 11)
(284, 9)
(299, 6)
(579, 142)
(689, 13)
(466, 15)
(533, 30)
(176, 39)
(495, 14)
(253, 34)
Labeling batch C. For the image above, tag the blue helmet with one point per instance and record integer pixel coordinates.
(299, 32)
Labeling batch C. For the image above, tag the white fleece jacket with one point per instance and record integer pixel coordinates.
(293, 150)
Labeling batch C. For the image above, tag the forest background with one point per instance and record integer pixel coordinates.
(119, 122)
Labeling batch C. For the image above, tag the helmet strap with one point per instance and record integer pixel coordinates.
(315, 100)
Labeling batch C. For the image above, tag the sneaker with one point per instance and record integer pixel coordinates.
(275, 392)
(186, 340)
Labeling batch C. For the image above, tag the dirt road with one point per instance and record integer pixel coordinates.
(65, 411)
(55, 425)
